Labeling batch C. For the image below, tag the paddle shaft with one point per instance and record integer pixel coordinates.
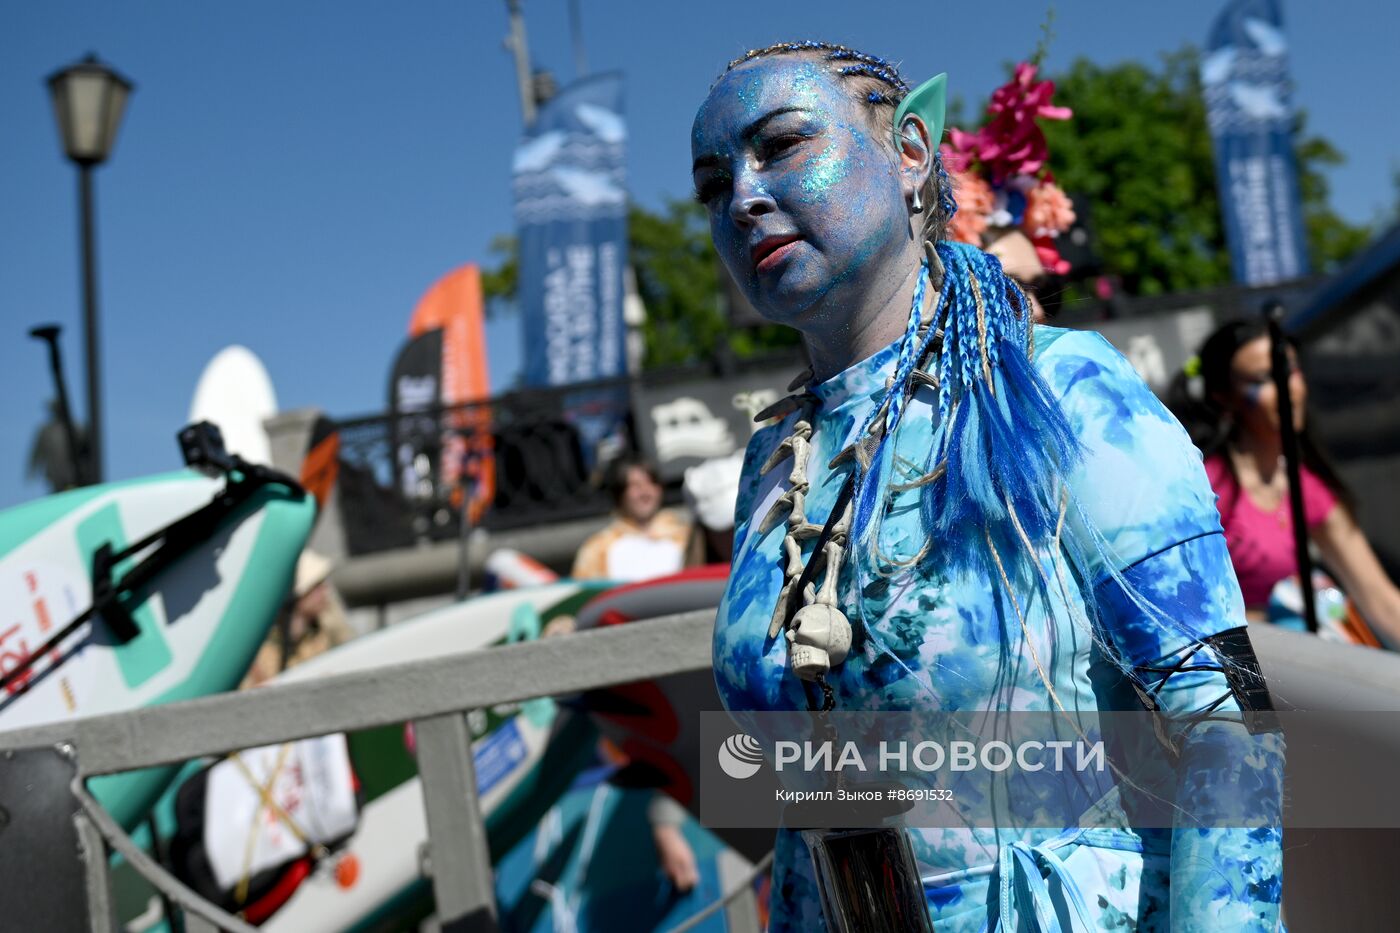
(1282, 371)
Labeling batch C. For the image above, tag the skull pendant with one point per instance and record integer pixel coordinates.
(819, 639)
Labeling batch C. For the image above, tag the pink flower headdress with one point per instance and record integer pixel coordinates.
(999, 172)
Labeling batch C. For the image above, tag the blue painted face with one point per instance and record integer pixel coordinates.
(804, 196)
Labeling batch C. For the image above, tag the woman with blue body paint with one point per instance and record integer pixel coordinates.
(1006, 517)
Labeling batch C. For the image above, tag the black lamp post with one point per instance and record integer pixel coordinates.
(88, 101)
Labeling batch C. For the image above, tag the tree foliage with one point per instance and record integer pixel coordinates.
(501, 280)
(1139, 147)
(678, 281)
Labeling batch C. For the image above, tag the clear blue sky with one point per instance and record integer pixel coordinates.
(292, 176)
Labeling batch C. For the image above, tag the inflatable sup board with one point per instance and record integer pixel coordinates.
(195, 627)
(525, 756)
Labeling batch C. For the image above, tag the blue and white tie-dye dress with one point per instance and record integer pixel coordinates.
(1142, 485)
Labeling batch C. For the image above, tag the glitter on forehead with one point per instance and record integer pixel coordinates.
(795, 82)
(750, 93)
(810, 84)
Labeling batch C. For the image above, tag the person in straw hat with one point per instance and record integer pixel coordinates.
(313, 623)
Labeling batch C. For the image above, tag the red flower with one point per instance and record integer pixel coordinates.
(1012, 142)
(1049, 256)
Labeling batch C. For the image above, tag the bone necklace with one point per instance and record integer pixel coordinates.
(818, 635)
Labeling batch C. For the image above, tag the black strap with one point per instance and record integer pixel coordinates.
(1243, 675)
(809, 572)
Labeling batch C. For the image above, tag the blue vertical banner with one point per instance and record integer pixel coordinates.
(1245, 73)
(571, 215)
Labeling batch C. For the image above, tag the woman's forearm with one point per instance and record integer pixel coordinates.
(1350, 557)
(1227, 845)
(1382, 612)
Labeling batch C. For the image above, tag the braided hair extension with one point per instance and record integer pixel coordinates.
(881, 88)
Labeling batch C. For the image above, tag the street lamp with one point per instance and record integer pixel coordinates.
(88, 101)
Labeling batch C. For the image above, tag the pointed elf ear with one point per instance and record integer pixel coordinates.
(928, 101)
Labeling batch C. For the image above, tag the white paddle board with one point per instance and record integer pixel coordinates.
(200, 621)
(509, 744)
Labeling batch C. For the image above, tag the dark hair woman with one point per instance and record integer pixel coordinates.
(1238, 429)
(1000, 506)
(643, 540)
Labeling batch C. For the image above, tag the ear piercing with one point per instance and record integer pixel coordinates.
(918, 205)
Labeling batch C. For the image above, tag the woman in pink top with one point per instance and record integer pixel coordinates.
(1260, 536)
(1244, 460)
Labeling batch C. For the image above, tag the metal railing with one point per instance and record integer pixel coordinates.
(1303, 672)
(433, 694)
(398, 471)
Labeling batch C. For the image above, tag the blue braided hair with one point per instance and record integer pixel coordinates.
(1005, 434)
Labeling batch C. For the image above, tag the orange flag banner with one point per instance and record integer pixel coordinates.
(455, 304)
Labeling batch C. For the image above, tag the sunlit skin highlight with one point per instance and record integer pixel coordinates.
(809, 205)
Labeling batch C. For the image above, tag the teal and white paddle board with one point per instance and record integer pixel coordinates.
(200, 621)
